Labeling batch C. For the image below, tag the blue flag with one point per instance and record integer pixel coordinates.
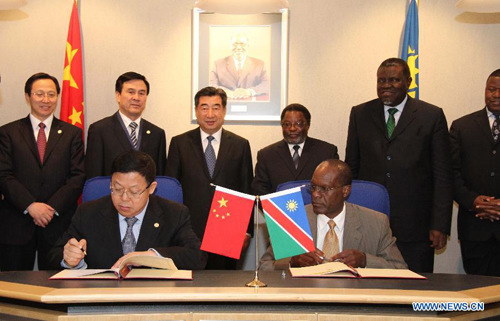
(409, 50)
(287, 223)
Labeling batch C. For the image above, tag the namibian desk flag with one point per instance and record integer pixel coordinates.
(227, 222)
(287, 223)
(72, 87)
(409, 49)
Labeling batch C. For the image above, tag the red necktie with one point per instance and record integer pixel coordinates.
(41, 141)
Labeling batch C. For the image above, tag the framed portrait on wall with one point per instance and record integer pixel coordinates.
(246, 55)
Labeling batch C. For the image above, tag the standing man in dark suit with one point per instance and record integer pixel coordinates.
(293, 158)
(359, 236)
(210, 154)
(475, 148)
(41, 178)
(131, 221)
(125, 130)
(403, 144)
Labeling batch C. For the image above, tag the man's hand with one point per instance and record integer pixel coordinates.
(117, 263)
(487, 207)
(438, 239)
(242, 93)
(73, 252)
(307, 259)
(351, 257)
(41, 213)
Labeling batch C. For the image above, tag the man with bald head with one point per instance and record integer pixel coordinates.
(342, 231)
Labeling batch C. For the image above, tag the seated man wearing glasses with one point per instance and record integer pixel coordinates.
(342, 231)
(130, 221)
(293, 158)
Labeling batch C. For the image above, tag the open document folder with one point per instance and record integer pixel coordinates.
(341, 270)
(134, 267)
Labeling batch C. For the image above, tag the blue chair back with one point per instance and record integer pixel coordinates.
(306, 195)
(364, 193)
(371, 195)
(97, 187)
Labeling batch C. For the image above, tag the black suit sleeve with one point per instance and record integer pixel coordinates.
(352, 147)
(463, 195)
(247, 172)
(67, 195)
(261, 184)
(174, 167)
(184, 249)
(162, 155)
(94, 157)
(442, 176)
(11, 188)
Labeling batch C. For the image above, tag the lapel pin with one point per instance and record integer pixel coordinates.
(59, 131)
(148, 132)
(157, 225)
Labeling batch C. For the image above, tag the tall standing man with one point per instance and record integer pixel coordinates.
(209, 154)
(125, 130)
(293, 158)
(41, 178)
(475, 149)
(403, 144)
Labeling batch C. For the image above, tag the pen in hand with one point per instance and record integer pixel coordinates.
(81, 248)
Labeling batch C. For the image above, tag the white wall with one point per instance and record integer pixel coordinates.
(335, 48)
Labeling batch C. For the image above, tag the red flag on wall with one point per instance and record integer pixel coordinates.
(227, 222)
(72, 106)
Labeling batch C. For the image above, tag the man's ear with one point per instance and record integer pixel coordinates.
(152, 187)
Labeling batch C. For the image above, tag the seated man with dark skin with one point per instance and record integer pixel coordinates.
(131, 221)
(360, 237)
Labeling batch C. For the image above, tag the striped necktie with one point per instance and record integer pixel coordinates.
(133, 134)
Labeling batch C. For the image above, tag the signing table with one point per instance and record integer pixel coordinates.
(221, 295)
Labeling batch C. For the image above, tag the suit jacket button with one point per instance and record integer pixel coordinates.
(389, 157)
(388, 174)
(494, 152)
(492, 174)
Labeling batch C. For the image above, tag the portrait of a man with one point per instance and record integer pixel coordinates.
(240, 75)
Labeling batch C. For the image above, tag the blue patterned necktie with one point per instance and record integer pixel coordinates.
(210, 156)
(129, 242)
(133, 134)
(495, 128)
(391, 121)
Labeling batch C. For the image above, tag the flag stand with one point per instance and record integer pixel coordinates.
(256, 283)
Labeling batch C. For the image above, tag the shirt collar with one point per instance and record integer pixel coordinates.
(490, 114)
(140, 216)
(339, 219)
(217, 135)
(399, 107)
(290, 146)
(127, 121)
(35, 121)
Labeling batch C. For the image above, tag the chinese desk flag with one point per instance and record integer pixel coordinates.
(409, 49)
(227, 222)
(72, 107)
(287, 223)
